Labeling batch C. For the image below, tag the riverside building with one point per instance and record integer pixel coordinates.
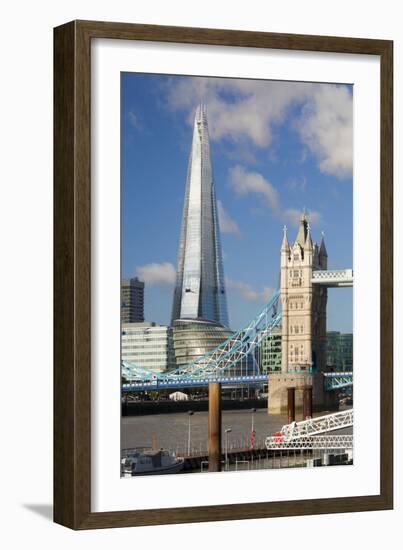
(270, 352)
(148, 345)
(339, 351)
(193, 338)
(132, 301)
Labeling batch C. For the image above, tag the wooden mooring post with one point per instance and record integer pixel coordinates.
(214, 427)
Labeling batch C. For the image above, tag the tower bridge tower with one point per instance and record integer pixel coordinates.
(303, 340)
(303, 304)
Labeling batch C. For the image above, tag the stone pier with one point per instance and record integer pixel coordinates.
(280, 382)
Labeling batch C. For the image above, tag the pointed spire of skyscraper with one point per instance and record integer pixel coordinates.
(200, 290)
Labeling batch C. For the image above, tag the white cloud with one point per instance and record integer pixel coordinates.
(245, 289)
(248, 292)
(227, 224)
(157, 274)
(134, 120)
(296, 183)
(258, 106)
(246, 112)
(326, 127)
(244, 182)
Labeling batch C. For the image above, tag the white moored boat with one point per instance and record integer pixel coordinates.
(149, 461)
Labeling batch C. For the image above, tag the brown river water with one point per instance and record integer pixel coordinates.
(171, 431)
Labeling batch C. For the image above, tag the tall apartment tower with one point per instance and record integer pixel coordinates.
(132, 301)
(200, 290)
(303, 304)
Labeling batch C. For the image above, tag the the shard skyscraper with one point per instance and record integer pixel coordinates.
(200, 290)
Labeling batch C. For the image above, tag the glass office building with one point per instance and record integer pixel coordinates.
(148, 345)
(200, 291)
(339, 351)
(193, 338)
(269, 355)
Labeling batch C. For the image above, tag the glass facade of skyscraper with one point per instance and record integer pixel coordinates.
(200, 290)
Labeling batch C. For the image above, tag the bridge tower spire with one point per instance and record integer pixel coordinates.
(323, 253)
(285, 247)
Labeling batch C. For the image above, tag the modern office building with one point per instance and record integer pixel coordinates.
(339, 351)
(132, 301)
(193, 338)
(200, 291)
(270, 352)
(148, 345)
(346, 351)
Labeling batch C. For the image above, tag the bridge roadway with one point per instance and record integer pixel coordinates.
(160, 384)
(333, 381)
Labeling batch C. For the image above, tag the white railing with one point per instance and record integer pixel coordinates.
(235, 445)
(310, 442)
(318, 425)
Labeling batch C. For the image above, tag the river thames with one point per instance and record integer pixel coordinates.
(171, 431)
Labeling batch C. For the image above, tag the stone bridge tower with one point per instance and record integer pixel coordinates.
(303, 304)
(303, 321)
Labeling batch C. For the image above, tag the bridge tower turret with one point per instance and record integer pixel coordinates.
(319, 312)
(323, 253)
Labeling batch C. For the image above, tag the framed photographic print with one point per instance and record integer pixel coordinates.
(223, 275)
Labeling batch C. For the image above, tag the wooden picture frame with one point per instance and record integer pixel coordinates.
(72, 270)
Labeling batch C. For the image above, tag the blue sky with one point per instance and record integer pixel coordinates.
(277, 147)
